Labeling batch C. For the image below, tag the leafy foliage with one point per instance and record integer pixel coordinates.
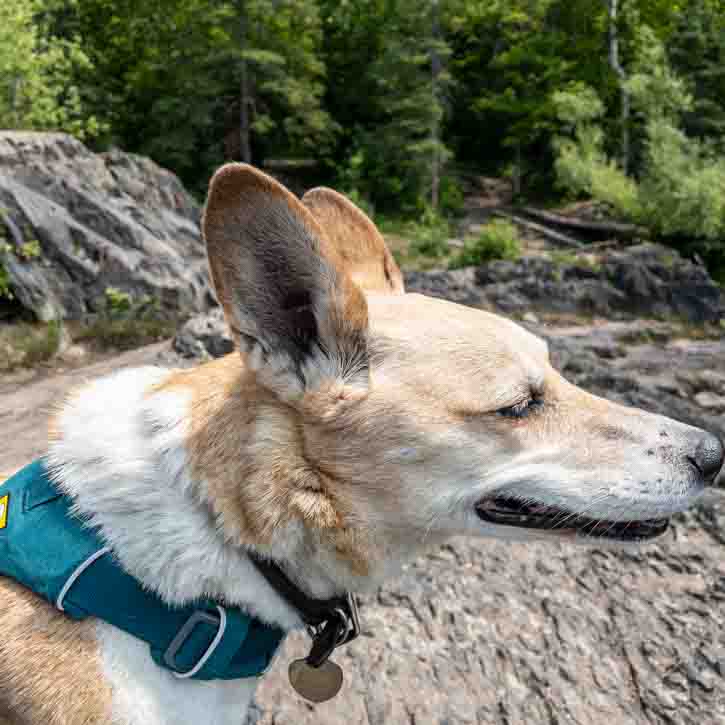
(176, 93)
(37, 90)
(697, 52)
(499, 239)
(393, 142)
(680, 192)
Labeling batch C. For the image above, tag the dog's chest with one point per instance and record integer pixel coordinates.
(145, 694)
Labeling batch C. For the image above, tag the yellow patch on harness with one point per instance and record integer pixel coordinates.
(4, 510)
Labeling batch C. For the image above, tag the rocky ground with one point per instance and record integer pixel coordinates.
(647, 280)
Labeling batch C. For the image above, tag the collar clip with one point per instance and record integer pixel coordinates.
(330, 623)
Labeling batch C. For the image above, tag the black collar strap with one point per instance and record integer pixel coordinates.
(330, 622)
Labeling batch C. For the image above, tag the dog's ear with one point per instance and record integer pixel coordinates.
(357, 240)
(291, 306)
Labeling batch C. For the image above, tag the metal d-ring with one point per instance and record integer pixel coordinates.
(342, 636)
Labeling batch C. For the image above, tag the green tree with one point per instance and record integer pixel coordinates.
(399, 81)
(36, 74)
(697, 52)
(187, 81)
(508, 58)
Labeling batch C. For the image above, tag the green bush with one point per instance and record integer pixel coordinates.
(5, 291)
(28, 344)
(430, 235)
(499, 239)
(125, 333)
(126, 323)
(37, 73)
(451, 197)
(119, 304)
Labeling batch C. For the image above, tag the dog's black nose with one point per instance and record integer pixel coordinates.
(708, 456)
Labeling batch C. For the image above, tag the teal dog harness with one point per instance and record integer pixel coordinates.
(50, 550)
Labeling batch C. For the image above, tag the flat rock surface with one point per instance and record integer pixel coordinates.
(490, 632)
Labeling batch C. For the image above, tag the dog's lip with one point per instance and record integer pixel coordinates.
(506, 511)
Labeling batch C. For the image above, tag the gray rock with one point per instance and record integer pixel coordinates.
(204, 337)
(457, 285)
(99, 221)
(648, 280)
(492, 633)
(710, 401)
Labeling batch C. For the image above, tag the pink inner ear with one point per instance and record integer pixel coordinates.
(282, 284)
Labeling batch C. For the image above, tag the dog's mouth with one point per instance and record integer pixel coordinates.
(505, 511)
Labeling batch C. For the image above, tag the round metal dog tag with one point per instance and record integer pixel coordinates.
(316, 684)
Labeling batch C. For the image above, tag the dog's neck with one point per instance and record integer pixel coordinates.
(164, 463)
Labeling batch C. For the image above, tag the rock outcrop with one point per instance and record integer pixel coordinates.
(494, 633)
(648, 280)
(74, 224)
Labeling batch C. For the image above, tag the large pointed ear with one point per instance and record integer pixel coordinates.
(295, 313)
(357, 240)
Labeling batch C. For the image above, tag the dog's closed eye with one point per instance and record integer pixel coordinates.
(522, 409)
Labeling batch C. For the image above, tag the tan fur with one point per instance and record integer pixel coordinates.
(251, 452)
(360, 245)
(50, 673)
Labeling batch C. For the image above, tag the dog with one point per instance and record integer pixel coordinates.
(355, 427)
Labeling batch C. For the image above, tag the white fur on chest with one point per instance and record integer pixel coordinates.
(145, 694)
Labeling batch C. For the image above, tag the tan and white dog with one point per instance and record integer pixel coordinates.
(358, 425)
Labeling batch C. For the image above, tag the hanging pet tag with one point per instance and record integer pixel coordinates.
(317, 684)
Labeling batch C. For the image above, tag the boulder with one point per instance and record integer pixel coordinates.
(710, 401)
(75, 224)
(204, 337)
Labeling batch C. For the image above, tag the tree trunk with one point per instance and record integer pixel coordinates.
(15, 100)
(616, 65)
(609, 229)
(435, 66)
(245, 148)
(540, 229)
(518, 172)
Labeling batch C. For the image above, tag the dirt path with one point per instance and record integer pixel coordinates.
(24, 407)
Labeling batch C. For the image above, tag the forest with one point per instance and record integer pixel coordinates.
(394, 101)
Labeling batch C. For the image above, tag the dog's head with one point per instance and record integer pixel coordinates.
(414, 418)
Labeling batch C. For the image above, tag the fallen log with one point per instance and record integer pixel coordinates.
(550, 234)
(612, 229)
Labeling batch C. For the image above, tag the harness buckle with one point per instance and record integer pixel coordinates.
(198, 617)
